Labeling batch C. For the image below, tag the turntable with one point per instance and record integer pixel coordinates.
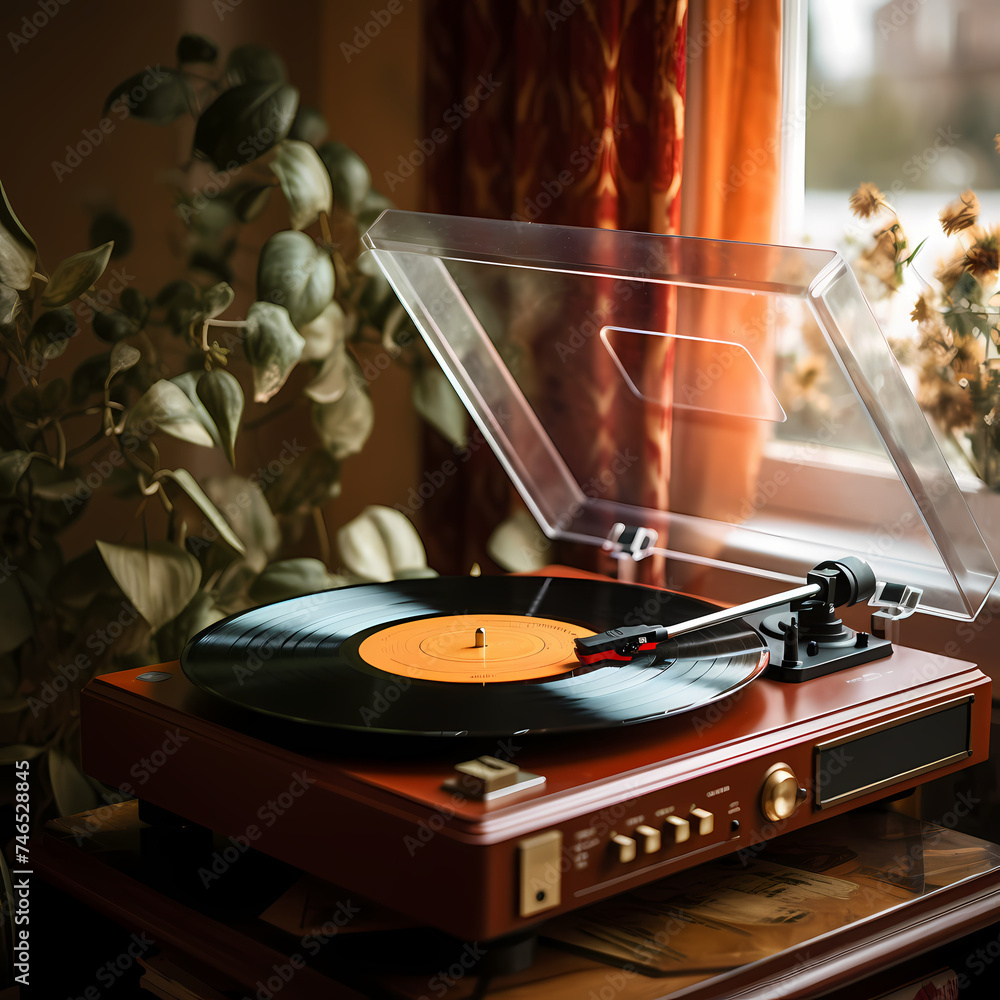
(484, 754)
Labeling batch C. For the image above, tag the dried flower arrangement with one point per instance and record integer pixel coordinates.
(958, 381)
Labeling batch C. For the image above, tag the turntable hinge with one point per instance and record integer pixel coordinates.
(626, 541)
(897, 601)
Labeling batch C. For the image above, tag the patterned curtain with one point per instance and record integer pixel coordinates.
(568, 112)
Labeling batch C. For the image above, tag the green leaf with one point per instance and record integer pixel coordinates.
(165, 406)
(248, 514)
(272, 346)
(223, 398)
(34, 402)
(380, 543)
(19, 751)
(309, 126)
(73, 793)
(112, 326)
(292, 578)
(909, 260)
(252, 201)
(331, 381)
(159, 580)
(135, 305)
(89, 377)
(371, 208)
(196, 49)
(244, 122)
(157, 94)
(217, 300)
(82, 579)
(13, 465)
(110, 226)
(518, 544)
(52, 332)
(187, 483)
(182, 303)
(349, 175)
(10, 302)
(419, 573)
(295, 273)
(308, 482)
(53, 395)
(304, 180)
(123, 357)
(324, 334)
(73, 276)
(188, 381)
(18, 253)
(345, 424)
(15, 617)
(438, 403)
(254, 64)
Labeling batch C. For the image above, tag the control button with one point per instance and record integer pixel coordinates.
(623, 846)
(781, 794)
(649, 838)
(485, 774)
(677, 829)
(702, 821)
(540, 872)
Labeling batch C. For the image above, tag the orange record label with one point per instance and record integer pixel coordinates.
(475, 649)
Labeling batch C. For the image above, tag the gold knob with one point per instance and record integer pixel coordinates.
(780, 796)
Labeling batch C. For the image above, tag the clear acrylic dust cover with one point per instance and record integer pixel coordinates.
(729, 404)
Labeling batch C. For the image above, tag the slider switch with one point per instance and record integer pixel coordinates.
(703, 821)
(624, 846)
(649, 838)
(677, 829)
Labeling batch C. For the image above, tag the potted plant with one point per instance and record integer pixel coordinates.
(114, 399)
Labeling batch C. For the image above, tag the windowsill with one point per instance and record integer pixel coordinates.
(828, 502)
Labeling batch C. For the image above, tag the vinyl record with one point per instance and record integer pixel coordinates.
(404, 657)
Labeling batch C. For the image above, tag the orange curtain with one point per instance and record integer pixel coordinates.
(739, 135)
(735, 48)
(570, 113)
